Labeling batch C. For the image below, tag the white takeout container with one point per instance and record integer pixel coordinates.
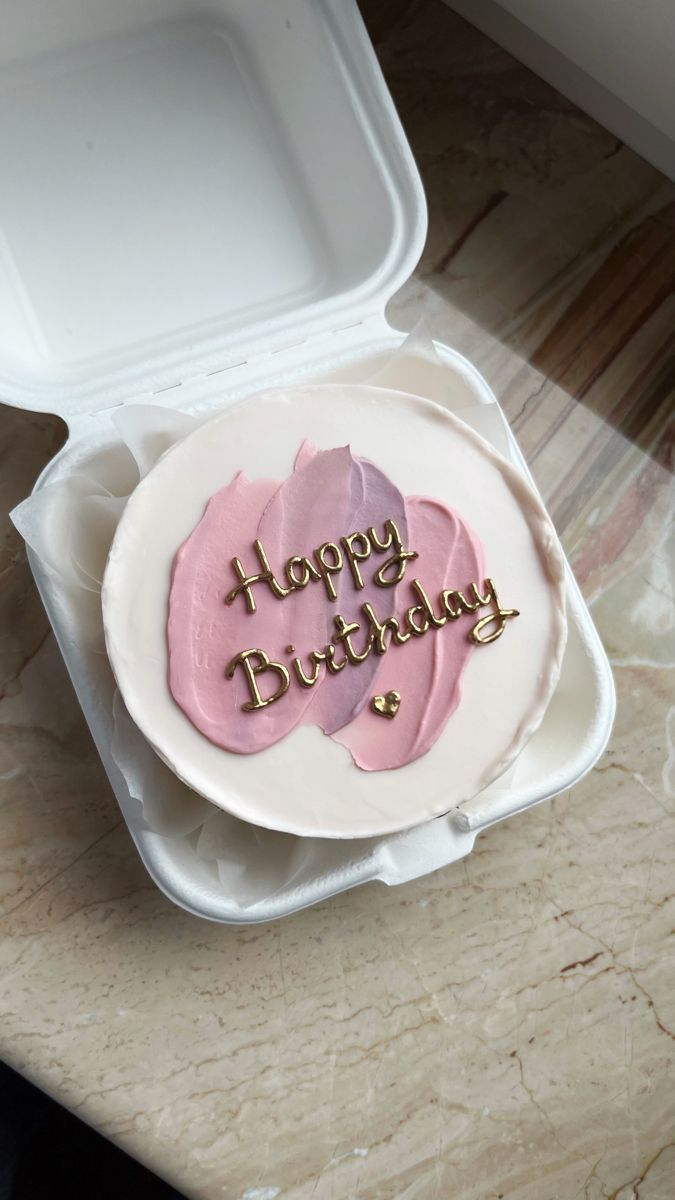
(201, 198)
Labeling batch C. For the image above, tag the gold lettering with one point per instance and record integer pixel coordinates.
(397, 560)
(467, 606)
(246, 581)
(344, 631)
(463, 605)
(482, 600)
(379, 628)
(420, 618)
(446, 600)
(251, 672)
(354, 557)
(327, 569)
(317, 657)
(385, 542)
(308, 569)
(437, 622)
(333, 666)
(417, 630)
(501, 616)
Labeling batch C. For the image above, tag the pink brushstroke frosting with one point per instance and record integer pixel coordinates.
(329, 495)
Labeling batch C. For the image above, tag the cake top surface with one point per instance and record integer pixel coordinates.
(338, 560)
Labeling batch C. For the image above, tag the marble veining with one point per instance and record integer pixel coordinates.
(501, 1030)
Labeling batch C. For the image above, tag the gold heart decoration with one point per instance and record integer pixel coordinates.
(387, 705)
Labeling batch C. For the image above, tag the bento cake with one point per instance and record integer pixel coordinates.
(348, 645)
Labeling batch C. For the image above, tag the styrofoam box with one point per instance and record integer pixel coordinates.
(201, 198)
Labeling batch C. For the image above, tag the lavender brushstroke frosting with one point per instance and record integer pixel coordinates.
(329, 495)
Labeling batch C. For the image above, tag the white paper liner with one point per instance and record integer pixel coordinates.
(69, 526)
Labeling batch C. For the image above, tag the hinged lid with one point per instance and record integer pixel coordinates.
(186, 184)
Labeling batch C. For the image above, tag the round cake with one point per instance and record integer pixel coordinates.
(335, 610)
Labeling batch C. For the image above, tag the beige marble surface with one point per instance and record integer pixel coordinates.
(506, 1027)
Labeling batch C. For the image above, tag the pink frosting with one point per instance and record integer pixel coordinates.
(426, 671)
(374, 500)
(329, 495)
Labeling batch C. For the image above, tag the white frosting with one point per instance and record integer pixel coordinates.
(307, 784)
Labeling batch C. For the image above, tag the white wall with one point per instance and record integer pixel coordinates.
(614, 58)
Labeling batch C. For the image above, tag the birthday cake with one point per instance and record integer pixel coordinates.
(335, 610)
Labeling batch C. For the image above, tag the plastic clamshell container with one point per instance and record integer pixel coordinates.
(202, 199)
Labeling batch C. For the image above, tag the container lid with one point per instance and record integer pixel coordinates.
(185, 185)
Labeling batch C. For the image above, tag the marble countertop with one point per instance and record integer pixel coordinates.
(504, 1028)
